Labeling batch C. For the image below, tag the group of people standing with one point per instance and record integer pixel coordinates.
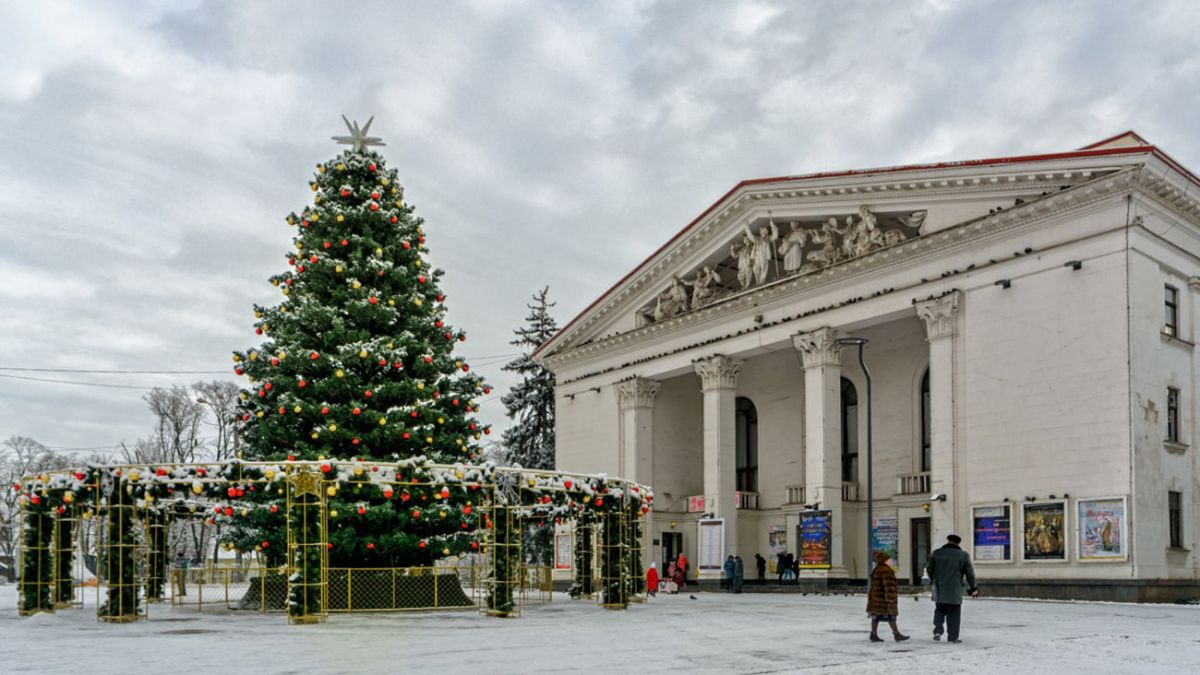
(672, 581)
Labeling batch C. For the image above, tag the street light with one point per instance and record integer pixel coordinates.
(860, 343)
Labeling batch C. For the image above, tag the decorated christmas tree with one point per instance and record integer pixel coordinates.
(358, 365)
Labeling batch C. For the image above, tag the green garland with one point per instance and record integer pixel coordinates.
(64, 556)
(156, 554)
(37, 561)
(117, 559)
(584, 584)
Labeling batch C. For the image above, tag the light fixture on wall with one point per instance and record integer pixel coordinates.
(1004, 283)
(1074, 264)
(672, 524)
(937, 497)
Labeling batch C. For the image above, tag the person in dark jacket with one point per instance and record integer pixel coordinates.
(946, 569)
(883, 598)
(761, 563)
(739, 573)
(779, 566)
(728, 568)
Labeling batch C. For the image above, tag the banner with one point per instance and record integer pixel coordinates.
(885, 536)
(1045, 531)
(815, 540)
(712, 544)
(563, 552)
(776, 544)
(1102, 529)
(993, 534)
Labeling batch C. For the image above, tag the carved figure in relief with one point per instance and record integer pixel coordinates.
(762, 249)
(741, 251)
(702, 286)
(679, 295)
(915, 220)
(827, 252)
(792, 248)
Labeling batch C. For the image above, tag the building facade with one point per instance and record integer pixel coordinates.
(1031, 371)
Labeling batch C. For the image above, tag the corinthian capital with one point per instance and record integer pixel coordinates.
(718, 372)
(938, 315)
(818, 347)
(636, 393)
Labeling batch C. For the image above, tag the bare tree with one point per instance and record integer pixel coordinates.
(177, 431)
(222, 397)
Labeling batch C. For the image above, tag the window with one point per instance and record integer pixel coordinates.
(849, 431)
(746, 430)
(1171, 302)
(1172, 414)
(1175, 518)
(926, 444)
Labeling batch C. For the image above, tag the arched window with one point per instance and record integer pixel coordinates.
(849, 431)
(747, 445)
(926, 445)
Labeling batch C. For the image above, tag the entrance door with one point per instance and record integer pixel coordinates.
(672, 546)
(921, 547)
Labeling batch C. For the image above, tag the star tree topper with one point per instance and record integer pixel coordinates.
(358, 137)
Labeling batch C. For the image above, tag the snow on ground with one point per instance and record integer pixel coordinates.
(715, 633)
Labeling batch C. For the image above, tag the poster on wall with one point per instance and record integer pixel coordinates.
(993, 534)
(776, 544)
(815, 540)
(712, 544)
(885, 536)
(1045, 531)
(563, 552)
(1102, 529)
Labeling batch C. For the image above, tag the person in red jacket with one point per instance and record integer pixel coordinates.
(652, 580)
(682, 564)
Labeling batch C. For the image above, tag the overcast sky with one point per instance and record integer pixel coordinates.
(149, 152)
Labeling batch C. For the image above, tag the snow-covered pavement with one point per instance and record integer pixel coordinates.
(715, 633)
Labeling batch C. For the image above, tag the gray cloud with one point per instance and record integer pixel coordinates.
(151, 152)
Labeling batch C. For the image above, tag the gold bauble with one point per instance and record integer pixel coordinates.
(314, 435)
(384, 181)
(259, 414)
(297, 409)
(382, 421)
(341, 166)
(300, 244)
(331, 490)
(340, 217)
(285, 291)
(313, 185)
(253, 356)
(333, 427)
(134, 476)
(441, 420)
(197, 489)
(236, 358)
(245, 397)
(418, 302)
(338, 269)
(321, 168)
(429, 440)
(391, 302)
(362, 353)
(258, 314)
(269, 474)
(339, 373)
(421, 386)
(445, 551)
(356, 285)
(333, 513)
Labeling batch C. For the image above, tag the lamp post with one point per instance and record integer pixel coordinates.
(860, 343)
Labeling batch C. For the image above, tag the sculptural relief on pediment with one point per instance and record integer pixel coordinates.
(768, 251)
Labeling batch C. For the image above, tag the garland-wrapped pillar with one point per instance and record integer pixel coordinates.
(37, 557)
(156, 554)
(118, 553)
(308, 548)
(633, 543)
(584, 585)
(614, 578)
(503, 545)
(64, 557)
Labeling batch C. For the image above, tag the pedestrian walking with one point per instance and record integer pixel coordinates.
(946, 568)
(652, 581)
(781, 566)
(739, 573)
(682, 564)
(728, 568)
(180, 574)
(679, 578)
(883, 598)
(761, 563)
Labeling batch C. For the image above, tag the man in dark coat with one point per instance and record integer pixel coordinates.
(946, 568)
(761, 563)
(729, 571)
(739, 572)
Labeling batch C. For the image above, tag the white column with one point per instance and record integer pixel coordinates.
(940, 317)
(718, 381)
(635, 399)
(822, 358)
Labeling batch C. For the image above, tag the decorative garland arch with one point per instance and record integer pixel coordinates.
(282, 506)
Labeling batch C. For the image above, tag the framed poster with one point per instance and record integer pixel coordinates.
(1044, 532)
(563, 552)
(1103, 530)
(993, 533)
(885, 536)
(815, 540)
(712, 544)
(776, 545)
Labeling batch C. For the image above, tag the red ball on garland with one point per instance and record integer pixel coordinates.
(413, 414)
(404, 496)
(387, 493)
(438, 323)
(328, 244)
(394, 220)
(282, 410)
(567, 484)
(355, 441)
(262, 393)
(258, 331)
(416, 514)
(274, 360)
(312, 259)
(371, 166)
(314, 356)
(368, 393)
(405, 435)
(420, 280)
(265, 544)
(474, 546)
(329, 545)
(324, 410)
(362, 510)
(445, 492)
(325, 468)
(374, 206)
(345, 192)
(345, 242)
(373, 300)
(370, 545)
(421, 544)
(302, 383)
(299, 269)
(232, 492)
(356, 411)
(406, 245)
(267, 386)
(428, 359)
(441, 298)
(274, 508)
(467, 509)
(375, 195)
(239, 371)
(291, 458)
(229, 510)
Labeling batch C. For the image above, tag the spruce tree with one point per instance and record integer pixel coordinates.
(358, 363)
(529, 440)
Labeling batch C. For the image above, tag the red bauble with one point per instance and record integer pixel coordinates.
(239, 371)
(329, 545)
(325, 468)
(374, 206)
(474, 546)
(217, 510)
(357, 411)
(466, 367)
(229, 510)
(282, 410)
(274, 360)
(373, 300)
(462, 337)
(413, 414)
(445, 492)
(257, 331)
(324, 410)
(291, 458)
(406, 245)
(371, 166)
(274, 508)
(327, 244)
(261, 393)
(428, 359)
(302, 383)
(312, 258)
(487, 431)
(267, 386)
(345, 192)
(291, 261)
(487, 390)
(398, 365)
(420, 280)
(416, 514)
(345, 242)
(368, 393)
(567, 484)
(314, 356)
(404, 496)
(421, 239)
(374, 195)
(265, 544)
(362, 510)
(472, 426)
(232, 492)
(454, 403)
(387, 493)
(299, 269)
(599, 502)
(381, 273)
(467, 509)
(404, 435)
(370, 545)
(394, 220)
(355, 441)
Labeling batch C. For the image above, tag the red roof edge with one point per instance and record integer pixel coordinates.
(1110, 139)
(1084, 152)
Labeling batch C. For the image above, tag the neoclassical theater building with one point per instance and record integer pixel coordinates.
(1030, 383)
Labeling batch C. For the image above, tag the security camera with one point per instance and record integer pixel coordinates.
(937, 497)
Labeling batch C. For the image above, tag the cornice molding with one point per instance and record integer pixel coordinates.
(913, 251)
